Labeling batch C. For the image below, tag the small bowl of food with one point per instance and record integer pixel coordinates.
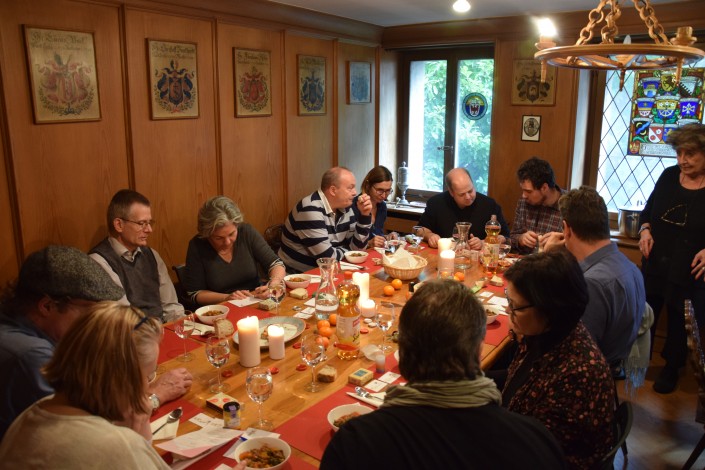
(492, 312)
(295, 281)
(356, 257)
(263, 452)
(209, 314)
(344, 413)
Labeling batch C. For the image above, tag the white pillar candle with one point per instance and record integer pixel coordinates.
(444, 244)
(367, 308)
(363, 281)
(446, 261)
(248, 337)
(276, 341)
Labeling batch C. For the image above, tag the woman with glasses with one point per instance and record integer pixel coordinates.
(558, 375)
(99, 414)
(378, 185)
(672, 242)
(226, 258)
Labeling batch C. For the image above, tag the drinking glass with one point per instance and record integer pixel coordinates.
(260, 387)
(504, 250)
(385, 319)
(312, 353)
(183, 328)
(277, 291)
(218, 353)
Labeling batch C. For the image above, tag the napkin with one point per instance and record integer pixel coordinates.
(400, 259)
(376, 402)
(167, 432)
(201, 329)
(244, 302)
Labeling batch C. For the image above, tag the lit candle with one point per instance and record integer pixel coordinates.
(367, 308)
(446, 262)
(363, 281)
(248, 337)
(444, 244)
(276, 341)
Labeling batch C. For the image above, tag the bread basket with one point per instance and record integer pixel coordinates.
(406, 274)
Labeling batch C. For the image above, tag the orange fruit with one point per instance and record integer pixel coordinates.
(333, 319)
(324, 341)
(459, 276)
(326, 331)
(396, 283)
(389, 290)
(323, 324)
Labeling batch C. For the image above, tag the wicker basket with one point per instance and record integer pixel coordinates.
(406, 274)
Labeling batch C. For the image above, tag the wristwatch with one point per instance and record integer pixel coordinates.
(644, 227)
(154, 400)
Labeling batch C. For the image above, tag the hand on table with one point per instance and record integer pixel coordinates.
(171, 385)
(474, 243)
(239, 295)
(262, 292)
(698, 265)
(376, 242)
(529, 239)
(433, 240)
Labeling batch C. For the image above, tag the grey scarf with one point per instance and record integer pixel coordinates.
(445, 394)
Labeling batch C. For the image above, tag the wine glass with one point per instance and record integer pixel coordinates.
(385, 319)
(312, 353)
(259, 387)
(277, 291)
(218, 353)
(183, 328)
(504, 250)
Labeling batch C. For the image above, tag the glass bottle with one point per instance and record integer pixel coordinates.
(491, 247)
(326, 295)
(462, 250)
(348, 326)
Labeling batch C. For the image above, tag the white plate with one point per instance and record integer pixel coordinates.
(293, 327)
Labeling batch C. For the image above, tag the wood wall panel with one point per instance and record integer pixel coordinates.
(387, 117)
(9, 263)
(253, 165)
(175, 160)
(63, 172)
(356, 122)
(309, 146)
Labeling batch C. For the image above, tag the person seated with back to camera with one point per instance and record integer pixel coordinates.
(225, 259)
(378, 185)
(448, 415)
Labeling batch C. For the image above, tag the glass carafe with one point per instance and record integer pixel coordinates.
(462, 250)
(326, 295)
(491, 246)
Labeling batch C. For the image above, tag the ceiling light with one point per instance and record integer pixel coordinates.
(610, 56)
(461, 6)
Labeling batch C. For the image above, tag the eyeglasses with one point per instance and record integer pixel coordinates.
(512, 308)
(142, 223)
(382, 192)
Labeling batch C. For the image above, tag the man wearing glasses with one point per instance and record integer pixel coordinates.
(131, 264)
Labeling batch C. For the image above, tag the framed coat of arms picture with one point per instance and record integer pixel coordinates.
(527, 87)
(253, 83)
(311, 85)
(173, 79)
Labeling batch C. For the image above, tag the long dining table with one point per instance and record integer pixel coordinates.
(299, 416)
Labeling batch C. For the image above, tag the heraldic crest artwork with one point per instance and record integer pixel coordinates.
(312, 85)
(63, 75)
(527, 87)
(253, 78)
(173, 79)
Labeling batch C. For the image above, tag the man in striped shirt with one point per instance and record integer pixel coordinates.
(323, 224)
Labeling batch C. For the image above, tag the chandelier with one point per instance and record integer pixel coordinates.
(611, 56)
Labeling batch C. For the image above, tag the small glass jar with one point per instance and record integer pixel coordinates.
(231, 415)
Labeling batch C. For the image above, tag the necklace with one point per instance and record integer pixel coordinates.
(700, 184)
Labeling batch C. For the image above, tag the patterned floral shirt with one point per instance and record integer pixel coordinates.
(570, 390)
(539, 219)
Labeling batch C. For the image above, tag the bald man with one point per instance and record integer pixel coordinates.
(460, 203)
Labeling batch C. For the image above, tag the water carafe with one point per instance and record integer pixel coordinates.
(462, 250)
(327, 295)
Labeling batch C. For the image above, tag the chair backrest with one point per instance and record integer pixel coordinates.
(273, 236)
(697, 360)
(623, 417)
(181, 293)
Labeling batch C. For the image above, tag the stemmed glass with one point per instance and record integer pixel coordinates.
(183, 328)
(417, 235)
(385, 319)
(312, 353)
(218, 353)
(504, 250)
(277, 291)
(260, 387)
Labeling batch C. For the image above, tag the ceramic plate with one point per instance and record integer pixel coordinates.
(293, 327)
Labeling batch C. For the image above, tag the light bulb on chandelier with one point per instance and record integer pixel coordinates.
(461, 6)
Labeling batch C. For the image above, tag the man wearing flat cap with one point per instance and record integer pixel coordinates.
(55, 286)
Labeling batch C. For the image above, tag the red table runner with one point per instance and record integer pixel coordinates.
(172, 346)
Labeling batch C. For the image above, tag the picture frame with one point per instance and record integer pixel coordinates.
(359, 82)
(253, 82)
(63, 75)
(527, 87)
(173, 79)
(311, 75)
(531, 128)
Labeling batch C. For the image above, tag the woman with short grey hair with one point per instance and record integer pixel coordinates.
(225, 259)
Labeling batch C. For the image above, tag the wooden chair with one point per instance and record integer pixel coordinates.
(697, 361)
(273, 236)
(623, 418)
(184, 299)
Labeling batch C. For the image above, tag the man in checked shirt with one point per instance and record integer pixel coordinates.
(537, 212)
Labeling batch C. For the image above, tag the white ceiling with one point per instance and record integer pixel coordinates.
(403, 12)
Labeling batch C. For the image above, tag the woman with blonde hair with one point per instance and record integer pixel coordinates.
(99, 414)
